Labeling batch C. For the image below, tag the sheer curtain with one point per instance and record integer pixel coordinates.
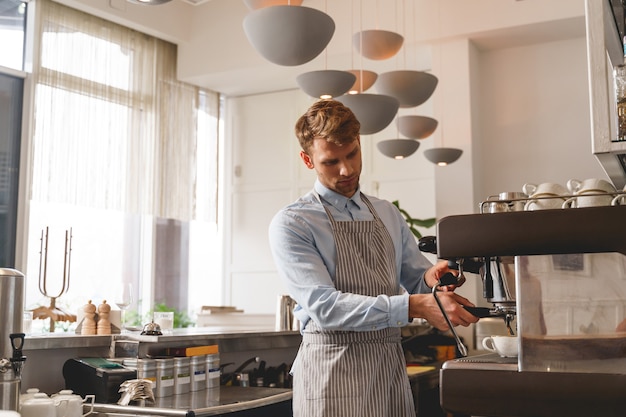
(129, 141)
(118, 143)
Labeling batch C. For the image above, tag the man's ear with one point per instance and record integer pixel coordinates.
(306, 159)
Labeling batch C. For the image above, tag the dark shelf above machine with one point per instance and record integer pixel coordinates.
(541, 232)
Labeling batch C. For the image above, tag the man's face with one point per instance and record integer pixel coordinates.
(338, 167)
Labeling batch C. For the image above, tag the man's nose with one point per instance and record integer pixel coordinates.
(346, 169)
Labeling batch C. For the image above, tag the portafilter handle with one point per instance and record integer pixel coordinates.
(449, 279)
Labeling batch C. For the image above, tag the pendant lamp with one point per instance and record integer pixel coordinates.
(377, 44)
(411, 88)
(442, 156)
(326, 84)
(364, 81)
(374, 111)
(259, 4)
(398, 148)
(288, 35)
(416, 127)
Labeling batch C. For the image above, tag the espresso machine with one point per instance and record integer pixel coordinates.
(561, 275)
(11, 337)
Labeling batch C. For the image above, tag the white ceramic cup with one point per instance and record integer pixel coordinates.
(545, 196)
(619, 200)
(589, 186)
(505, 346)
(588, 200)
(544, 202)
(545, 188)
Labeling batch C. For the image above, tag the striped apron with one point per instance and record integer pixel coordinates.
(355, 374)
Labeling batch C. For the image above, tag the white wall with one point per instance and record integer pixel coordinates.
(521, 114)
(515, 103)
(267, 174)
(535, 120)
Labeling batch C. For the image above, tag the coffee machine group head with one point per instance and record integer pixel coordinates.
(497, 274)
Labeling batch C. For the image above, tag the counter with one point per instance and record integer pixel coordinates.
(46, 353)
(212, 402)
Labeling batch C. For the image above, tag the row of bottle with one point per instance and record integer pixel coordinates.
(180, 375)
(619, 78)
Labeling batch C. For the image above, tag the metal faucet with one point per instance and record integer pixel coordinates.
(230, 378)
(246, 363)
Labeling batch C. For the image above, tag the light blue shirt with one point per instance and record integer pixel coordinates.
(304, 252)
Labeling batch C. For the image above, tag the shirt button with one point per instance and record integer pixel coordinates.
(400, 323)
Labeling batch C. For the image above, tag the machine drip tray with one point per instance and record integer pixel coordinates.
(485, 362)
(490, 386)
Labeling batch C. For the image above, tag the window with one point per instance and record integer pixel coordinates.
(12, 28)
(124, 171)
(11, 90)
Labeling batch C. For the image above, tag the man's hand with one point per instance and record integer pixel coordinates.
(438, 270)
(424, 306)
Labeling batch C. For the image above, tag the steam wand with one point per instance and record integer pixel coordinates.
(449, 279)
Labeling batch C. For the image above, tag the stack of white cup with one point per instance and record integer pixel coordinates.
(591, 192)
(547, 195)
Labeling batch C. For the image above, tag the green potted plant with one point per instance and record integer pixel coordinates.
(415, 223)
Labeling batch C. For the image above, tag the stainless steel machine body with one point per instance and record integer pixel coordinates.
(570, 300)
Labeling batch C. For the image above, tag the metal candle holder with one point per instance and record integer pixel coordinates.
(52, 311)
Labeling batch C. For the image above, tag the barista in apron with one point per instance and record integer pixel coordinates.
(358, 276)
(332, 361)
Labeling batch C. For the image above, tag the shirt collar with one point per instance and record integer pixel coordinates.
(337, 200)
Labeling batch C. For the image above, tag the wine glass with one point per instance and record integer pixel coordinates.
(123, 299)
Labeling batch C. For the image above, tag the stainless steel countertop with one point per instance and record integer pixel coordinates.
(210, 402)
(212, 333)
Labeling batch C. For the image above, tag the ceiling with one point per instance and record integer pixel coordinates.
(214, 52)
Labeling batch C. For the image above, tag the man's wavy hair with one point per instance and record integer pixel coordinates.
(329, 120)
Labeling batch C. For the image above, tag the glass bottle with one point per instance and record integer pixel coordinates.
(619, 77)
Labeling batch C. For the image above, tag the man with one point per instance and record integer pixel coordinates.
(354, 268)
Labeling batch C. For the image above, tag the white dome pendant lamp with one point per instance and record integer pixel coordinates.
(326, 84)
(365, 79)
(288, 35)
(398, 148)
(442, 156)
(373, 111)
(377, 44)
(411, 88)
(416, 127)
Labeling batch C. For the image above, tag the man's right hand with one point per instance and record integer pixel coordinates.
(424, 306)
